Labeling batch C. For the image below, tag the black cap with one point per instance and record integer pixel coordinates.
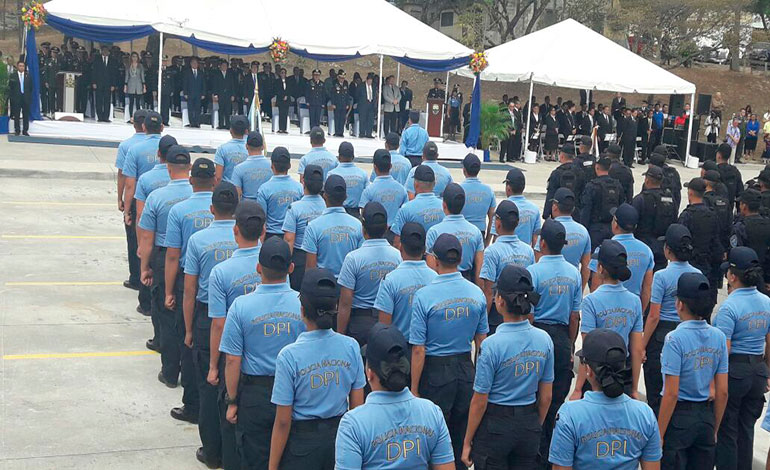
(280, 155)
(692, 286)
(454, 195)
(317, 133)
(677, 236)
(514, 176)
(381, 158)
(165, 143)
(712, 176)
(696, 184)
(374, 215)
(249, 212)
(724, 150)
(203, 168)
(613, 256)
(387, 351)
(255, 139)
(507, 212)
(660, 150)
(569, 149)
(554, 233)
(275, 254)
(654, 172)
(413, 236)
(424, 173)
(153, 121)
(514, 280)
(626, 216)
(316, 71)
(603, 346)
(563, 195)
(741, 258)
(447, 249)
(764, 176)
(335, 186)
(139, 116)
(657, 159)
(313, 173)
(239, 124)
(225, 193)
(614, 149)
(176, 154)
(346, 150)
(751, 196)
(392, 139)
(586, 141)
(319, 282)
(471, 163)
(430, 151)
(710, 165)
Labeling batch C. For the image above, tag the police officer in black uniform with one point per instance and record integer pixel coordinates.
(585, 159)
(731, 177)
(620, 171)
(52, 68)
(340, 102)
(567, 175)
(167, 89)
(601, 195)
(763, 181)
(657, 211)
(721, 206)
(437, 91)
(316, 98)
(753, 230)
(719, 187)
(671, 178)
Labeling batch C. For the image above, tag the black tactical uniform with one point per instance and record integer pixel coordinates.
(599, 197)
(586, 162)
(731, 178)
(52, 68)
(167, 91)
(723, 209)
(567, 175)
(708, 251)
(657, 211)
(316, 99)
(671, 178)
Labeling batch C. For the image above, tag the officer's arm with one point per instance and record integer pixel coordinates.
(171, 270)
(574, 325)
(121, 188)
(637, 353)
(653, 317)
(767, 350)
(559, 467)
(475, 413)
(668, 403)
(585, 272)
(396, 241)
(188, 305)
(139, 210)
(281, 428)
(311, 261)
(217, 326)
(289, 238)
(720, 400)
(146, 240)
(356, 398)
(418, 362)
(544, 394)
(343, 311)
(443, 466)
(490, 218)
(384, 318)
(232, 374)
(128, 195)
(218, 172)
(478, 260)
(646, 290)
(647, 465)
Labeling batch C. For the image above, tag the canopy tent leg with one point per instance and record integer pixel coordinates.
(529, 114)
(379, 101)
(689, 128)
(160, 69)
(398, 73)
(446, 100)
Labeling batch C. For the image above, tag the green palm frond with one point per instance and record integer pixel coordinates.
(493, 124)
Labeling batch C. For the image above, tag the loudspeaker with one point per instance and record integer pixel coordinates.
(675, 105)
(709, 151)
(704, 104)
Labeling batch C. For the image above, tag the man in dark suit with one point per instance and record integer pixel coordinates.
(249, 80)
(194, 90)
(586, 125)
(628, 136)
(103, 76)
(266, 83)
(20, 93)
(223, 92)
(566, 120)
(604, 121)
(405, 105)
(366, 99)
(282, 92)
(618, 104)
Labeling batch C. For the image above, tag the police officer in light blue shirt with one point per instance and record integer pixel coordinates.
(694, 355)
(744, 317)
(506, 250)
(513, 385)
(278, 193)
(662, 317)
(232, 152)
(155, 178)
(393, 429)
(318, 155)
(362, 272)
(606, 430)
(126, 145)
(558, 313)
(430, 159)
(426, 209)
(384, 188)
(413, 139)
(529, 214)
(206, 249)
(401, 166)
(335, 233)
(258, 325)
(454, 223)
(480, 200)
(299, 215)
(253, 172)
(317, 379)
(355, 178)
(396, 291)
(448, 315)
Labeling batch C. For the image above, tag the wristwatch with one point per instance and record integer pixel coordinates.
(230, 401)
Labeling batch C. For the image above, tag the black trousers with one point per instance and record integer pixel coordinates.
(189, 376)
(746, 387)
(599, 232)
(390, 122)
(339, 120)
(507, 438)
(653, 380)
(134, 264)
(315, 115)
(310, 445)
(629, 151)
(494, 318)
(354, 211)
(283, 116)
(225, 109)
(20, 113)
(167, 332)
(165, 108)
(365, 120)
(298, 257)
(689, 440)
(447, 381)
(562, 381)
(103, 103)
(194, 111)
(415, 160)
(256, 416)
(231, 459)
(361, 322)
(208, 415)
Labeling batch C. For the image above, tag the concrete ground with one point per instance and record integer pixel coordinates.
(77, 388)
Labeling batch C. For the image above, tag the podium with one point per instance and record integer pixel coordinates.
(65, 85)
(435, 113)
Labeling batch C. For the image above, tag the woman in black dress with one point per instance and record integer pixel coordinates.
(551, 125)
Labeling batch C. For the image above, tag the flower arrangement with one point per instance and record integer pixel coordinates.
(33, 14)
(478, 62)
(279, 49)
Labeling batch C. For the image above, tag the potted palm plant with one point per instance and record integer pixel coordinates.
(494, 125)
(3, 99)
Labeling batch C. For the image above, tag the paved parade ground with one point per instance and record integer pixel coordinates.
(78, 389)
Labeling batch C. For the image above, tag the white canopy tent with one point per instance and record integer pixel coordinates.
(541, 58)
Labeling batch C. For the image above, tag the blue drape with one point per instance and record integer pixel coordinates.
(433, 65)
(98, 33)
(474, 131)
(33, 68)
(239, 50)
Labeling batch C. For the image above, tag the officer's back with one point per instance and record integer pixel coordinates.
(318, 155)
(703, 223)
(442, 175)
(600, 196)
(276, 195)
(671, 179)
(753, 230)
(384, 188)
(621, 172)
(355, 178)
(232, 152)
(567, 175)
(730, 175)
(425, 209)
(657, 211)
(249, 175)
(479, 197)
(529, 214)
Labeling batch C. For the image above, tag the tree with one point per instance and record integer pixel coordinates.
(505, 16)
(591, 13)
(762, 8)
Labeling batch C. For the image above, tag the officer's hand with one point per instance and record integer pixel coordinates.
(125, 89)
(232, 413)
(93, 86)
(333, 107)
(126, 217)
(203, 97)
(213, 377)
(188, 339)
(232, 98)
(147, 277)
(112, 88)
(712, 391)
(466, 457)
(170, 302)
(121, 207)
(635, 394)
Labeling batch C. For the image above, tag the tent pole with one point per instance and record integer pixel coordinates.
(160, 69)
(379, 101)
(529, 115)
(398, 73)
(446, 101)
(689, 127)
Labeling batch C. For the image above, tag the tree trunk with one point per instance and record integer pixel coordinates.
(20, 24)
(735, 47)
(5, 7)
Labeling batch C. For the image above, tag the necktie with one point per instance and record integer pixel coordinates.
(195, 73)
(21, 82)
(369, 92)
(105, 61)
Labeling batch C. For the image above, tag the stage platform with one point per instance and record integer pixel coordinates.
(206, 139)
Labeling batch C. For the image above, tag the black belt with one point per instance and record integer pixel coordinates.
(668, 324)
(263, 380)
(747, 358)
(510, 410)
(547, 326)
(692, 405)
(315, 425)
(362, 312)
(452, 359)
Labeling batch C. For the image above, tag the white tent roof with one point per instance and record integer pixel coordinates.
(304, 24)
(604, 65)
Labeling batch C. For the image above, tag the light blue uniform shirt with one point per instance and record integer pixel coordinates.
(467, 234)
(603, 433)
(388, 192)
(766, 422)
(443, 178)
(331, 237)
(364, 269)
(355, 182)
(744, 317)
(640, 260)
(479, 199)
(141, 156)
(152, 180)
(695, 352)
(186, 218)
(206, 249)
(413, 139)
(560, 288)
(578, 241)
(159, 204)
(251, 174)
(318, 156)
(229, 155)
(425, 209)
(300, 213)
(125, 146)
(315, 375)
(397, 290)
(529, 218)
(231, 279)
(400, 166)
(511, 365)
(275, 197)
(664, 288)
(507, 249)
(447, 314)
(393, 431)
(614, 307)
(260, 324)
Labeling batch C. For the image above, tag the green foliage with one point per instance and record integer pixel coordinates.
(3, 88)
(493, 124)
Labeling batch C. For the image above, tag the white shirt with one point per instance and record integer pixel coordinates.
(368, 92)
(21, 82)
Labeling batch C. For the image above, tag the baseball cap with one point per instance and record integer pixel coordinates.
(585, 140)
(381, 158)
(654, 172)
(692, 286)
(447, 249)
(514, 175)
(275, 254)
(471, 163)
(225, 194)
(239, 124)
(280, 155)
(677, 236)
(165, 143)
(710, 165)
(764, 176)
(335, 186)
(386, 351)
(564, 195)
(374, 215)
(454, 194)
(660, 150)
(319, 282)
(317, 133)
(430, 151)
(249, 212)
(712, 176)
(751, 196)
(203, 168)
(313, 173)
(626, 216)
(346, 150)
(514, 279)
(602, 346)
(613, 256)
(153, 121)
(255, 139)
(614, 149)
(392, 139)
(176, 154)
(554, 234)
(507, 212)
(741, 258)
(696, 184)
(424, 173)
(657, 159)
(413, 236)
(569, 149)
(139, 116)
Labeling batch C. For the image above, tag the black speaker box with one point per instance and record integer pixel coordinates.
(675, 105)
(704, 104)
